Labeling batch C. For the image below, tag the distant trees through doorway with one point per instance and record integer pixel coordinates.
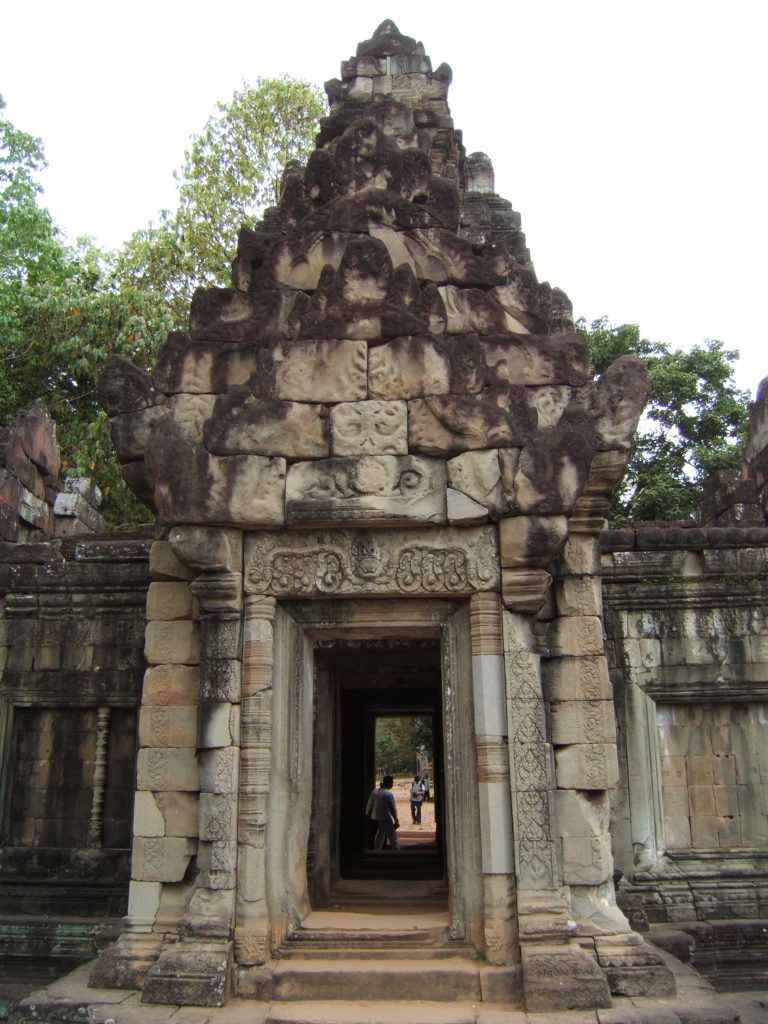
(404, 744)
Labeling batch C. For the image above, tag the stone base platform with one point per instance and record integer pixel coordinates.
(69, 999)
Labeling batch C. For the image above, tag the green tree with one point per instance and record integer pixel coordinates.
(64, 310)
(695, 422)
(230, 174)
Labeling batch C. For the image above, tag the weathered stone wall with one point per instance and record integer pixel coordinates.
(687, 638)
(72, 619)
(34, 501)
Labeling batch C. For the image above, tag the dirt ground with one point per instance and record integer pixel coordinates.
(401, 789)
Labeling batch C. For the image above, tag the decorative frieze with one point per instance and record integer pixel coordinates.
(381, 563)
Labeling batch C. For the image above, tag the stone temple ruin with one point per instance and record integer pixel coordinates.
(380, 466)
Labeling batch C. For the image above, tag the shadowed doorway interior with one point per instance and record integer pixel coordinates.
(396, 684)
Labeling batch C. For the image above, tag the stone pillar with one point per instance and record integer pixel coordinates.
(583, 734)
(498, 866)
(252, 932)
(165, 803)
(195, 971)
(557, 974)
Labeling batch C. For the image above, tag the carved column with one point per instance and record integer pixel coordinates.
(101, 753)
(498, 867)
(252, 932)
(196, 969)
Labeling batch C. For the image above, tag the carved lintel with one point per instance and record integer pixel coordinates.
(399, 563)
(524, 590)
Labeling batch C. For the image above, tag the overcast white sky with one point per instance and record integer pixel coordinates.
(630, 136)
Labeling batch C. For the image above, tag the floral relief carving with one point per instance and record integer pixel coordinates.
(349, 562)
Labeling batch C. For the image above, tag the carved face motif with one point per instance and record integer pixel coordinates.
(370, 428)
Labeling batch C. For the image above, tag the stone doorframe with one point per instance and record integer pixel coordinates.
(270, 909)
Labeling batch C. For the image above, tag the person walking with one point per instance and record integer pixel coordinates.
(382, 808)
(417, 795)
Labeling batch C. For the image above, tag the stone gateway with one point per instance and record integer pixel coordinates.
(380, 466)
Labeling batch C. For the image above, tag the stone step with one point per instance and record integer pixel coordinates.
(454, 980)
(352, 935)
(347, 1012)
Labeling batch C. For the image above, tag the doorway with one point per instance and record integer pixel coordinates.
(390, 690)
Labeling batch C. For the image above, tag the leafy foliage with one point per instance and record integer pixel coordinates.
(230, 174)
(695, 422)
(397, 741)
(64, 310)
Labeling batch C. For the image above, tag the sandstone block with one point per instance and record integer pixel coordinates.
(418, 365)
(370, 489)
(218, 722)
(37, 433)
(592, 766)
(702, 801)
(208, 549)
(473, 310)
(462, 510)
(537, 361)
(217, 815)
(170, 770)
(216, 861)
(479, 475)
(191, 413)
(201, 367)
(577, 635)
(243, 425)
(172, 643)
(449, 424)
(164, 564)
(579, 595)
(130, 431)
(525, 590)
(552, 470)
(369, 428)
(161, 859)
(170, 684)
(161, 726)
(179, 811)
(143, 899)
(583, 721)
(219, 770)
(580, 815)
(620, 398)
(677, 831)
(168, 601)
(193, 486)
(550, 402)
(441, 256)
(147, 819)
(531, 541)
(320, 371)
(587, 860)
(562, 978)
(301, 269)
(704, 832)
